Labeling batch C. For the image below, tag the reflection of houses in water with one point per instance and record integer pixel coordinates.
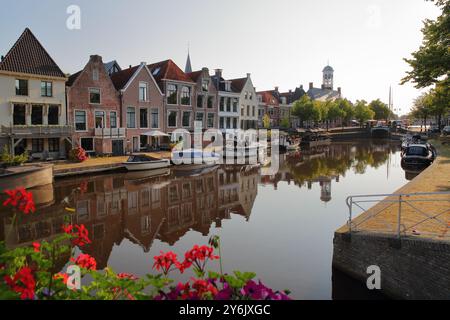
(118, 206)
(298, 162)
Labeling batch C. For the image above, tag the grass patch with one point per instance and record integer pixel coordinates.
(443, 149)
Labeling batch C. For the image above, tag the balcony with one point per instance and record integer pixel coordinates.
(106, 133)
(41, 131)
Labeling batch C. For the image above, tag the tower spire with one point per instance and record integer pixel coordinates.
(188, 68)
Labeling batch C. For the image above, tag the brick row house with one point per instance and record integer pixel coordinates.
(205, 99)
(141, 103)
(268, 104)
(178, 89)
(32, 101)
(94, 110)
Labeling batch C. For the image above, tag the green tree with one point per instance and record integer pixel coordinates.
(363, 112)
(348, 111)
(266, 121)
(380, 109)
(440, 102)
(285, 123)
(431, 62)
(304, 109)
(335, 112)
(422, 108)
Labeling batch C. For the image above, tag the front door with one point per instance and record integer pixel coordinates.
(117, 147)
(136, 144)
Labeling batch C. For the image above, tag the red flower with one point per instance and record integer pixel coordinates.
(127, 276)
(165, 262)
(20, 199)
(61, 276)
(85, 261)
(203, 287)
(200, 254)
(23, 283)
(80, 235)
(37, 246)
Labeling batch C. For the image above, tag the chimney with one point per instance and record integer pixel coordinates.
(248, 75)
(311, 85)
(301, 87)
(129, 67)
(3, 58)
(340, 91)
(218, 73)
(96, 58)
(276, 89)
(204, 69)
(290, 91)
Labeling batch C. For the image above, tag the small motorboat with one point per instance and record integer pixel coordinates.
(418, 156)
(143, 162)
(194, 156)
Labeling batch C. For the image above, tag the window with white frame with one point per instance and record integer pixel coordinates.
(171, 94)
(172, 119)
(131, 117)
(186, 96)
(94, 96)
(210, 123)
(80, 120)
(87, 144)
(186, 119)
(113, 119)
(155, 119)
(143, 91)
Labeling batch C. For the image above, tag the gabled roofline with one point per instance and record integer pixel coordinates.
(133, 77)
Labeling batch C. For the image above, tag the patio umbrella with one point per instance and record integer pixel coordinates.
(155, 133)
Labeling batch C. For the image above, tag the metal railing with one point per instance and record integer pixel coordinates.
(110, 132)
(41, 130)
(406, 212)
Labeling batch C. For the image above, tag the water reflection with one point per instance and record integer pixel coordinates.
(142, 208)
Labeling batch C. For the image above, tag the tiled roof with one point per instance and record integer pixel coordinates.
(167, 69)
(72, 78)
(110, 65)
(323, 94)
(28, 56)
(238, 84)
(268, 97)
(120, 79)
(195, 75)
(220, 85)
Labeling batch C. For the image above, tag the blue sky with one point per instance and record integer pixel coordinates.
(282, 43)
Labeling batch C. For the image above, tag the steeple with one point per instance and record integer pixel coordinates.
(188, 68)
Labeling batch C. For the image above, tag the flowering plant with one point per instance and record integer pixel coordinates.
(31, 273)
(78, 154)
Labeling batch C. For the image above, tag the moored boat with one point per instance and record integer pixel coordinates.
(27, 176)
(418, 156)
(144, 162)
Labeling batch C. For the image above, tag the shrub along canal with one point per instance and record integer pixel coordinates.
(280, 226)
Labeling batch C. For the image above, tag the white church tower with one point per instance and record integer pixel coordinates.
(328, 75)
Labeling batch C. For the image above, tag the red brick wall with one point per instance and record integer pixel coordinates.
(130, 98)
(78, 99)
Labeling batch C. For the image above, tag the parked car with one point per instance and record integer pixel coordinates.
(446, 131)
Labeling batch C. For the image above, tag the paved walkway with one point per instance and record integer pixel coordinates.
(383, 217)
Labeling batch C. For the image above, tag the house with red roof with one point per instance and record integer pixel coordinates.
(141, 104)
(178, 90)
(205, 100)
(33, 102)
(269, 104)
(93, 105)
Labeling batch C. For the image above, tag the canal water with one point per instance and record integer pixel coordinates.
(279, 226)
